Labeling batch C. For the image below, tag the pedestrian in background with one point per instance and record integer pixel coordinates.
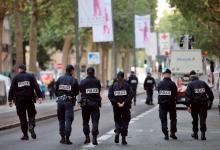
(149, 84)
(22, 92)
(199, 98)
(120, 95)
(133, 82)
(167, 93)
(67, 88)
(51, 89)
(90, 102)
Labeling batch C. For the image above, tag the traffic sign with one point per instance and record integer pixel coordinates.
(93, 58)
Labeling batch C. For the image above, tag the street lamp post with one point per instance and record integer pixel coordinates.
(75, 2)
(133, 28)
(114, 57)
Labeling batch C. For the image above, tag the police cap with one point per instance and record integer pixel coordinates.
(22, 66)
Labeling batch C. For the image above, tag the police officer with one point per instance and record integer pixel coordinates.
(167, 93)
(199, 98)
(66, 90)
(133, 82)
(90, 89)
(149, 84)
(22, 92)
(120, 95)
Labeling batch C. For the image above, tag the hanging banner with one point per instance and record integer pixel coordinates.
(142, 31)
(164, 39)
(91, 12)
(151, 48)
(104, 32)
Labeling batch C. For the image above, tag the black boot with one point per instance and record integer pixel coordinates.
(124, 142)
(203, 136)
(116, 138)
(195, 135)
(87, 139)
(172, 135)
(62, 140)
(25, 137)
(33, 134)
(166, 136)
(94, 140)
(68, 142)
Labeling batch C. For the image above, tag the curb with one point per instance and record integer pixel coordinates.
(6, 127)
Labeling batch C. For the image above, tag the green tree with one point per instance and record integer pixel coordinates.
(205, 13)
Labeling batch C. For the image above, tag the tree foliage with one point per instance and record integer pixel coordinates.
(206, 15)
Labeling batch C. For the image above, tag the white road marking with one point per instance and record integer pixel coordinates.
(110, 133)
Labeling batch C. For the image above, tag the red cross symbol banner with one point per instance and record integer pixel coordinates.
(91, 12)
(164, 39)
(104, 31)
(142, 31)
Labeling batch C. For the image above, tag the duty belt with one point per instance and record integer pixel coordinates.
(65, 98)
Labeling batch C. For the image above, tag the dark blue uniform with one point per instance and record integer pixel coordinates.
(66, 90)
(167, 92)
(199, 96)
(90, 89)
(149, 84)
(133, 82)
(121, 93)
(22, 90)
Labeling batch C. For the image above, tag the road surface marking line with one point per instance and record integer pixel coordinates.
(135, 119)
(105, 137)
(110, 133)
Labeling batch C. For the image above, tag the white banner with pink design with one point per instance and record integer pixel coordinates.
(142, 31)
(91, 12)
(104, 31)
(164, 41)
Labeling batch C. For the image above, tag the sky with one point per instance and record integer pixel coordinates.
(162, 6)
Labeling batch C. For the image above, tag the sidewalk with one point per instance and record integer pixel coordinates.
(46, 110)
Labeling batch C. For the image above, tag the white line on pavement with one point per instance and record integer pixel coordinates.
(110, 133)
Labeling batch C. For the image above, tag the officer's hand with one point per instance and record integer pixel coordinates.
(39, 100)
(121, 104)
(209, 105)
(189, 109)
(10, 104)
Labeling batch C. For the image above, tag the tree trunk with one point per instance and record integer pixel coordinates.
(127, 61)
(3, 10)
(33, 37)
(104, 64)
(18, 34)
(66, 47)
(1, 43)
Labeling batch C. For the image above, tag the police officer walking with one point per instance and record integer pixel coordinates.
(120, 95)
(167, 92)
(22, 92)
(133, 82)
(199, 98)
(66, 90)
(149, 84)
(90, 102)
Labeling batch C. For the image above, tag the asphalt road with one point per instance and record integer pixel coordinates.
(48, 135)
(144, 132)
